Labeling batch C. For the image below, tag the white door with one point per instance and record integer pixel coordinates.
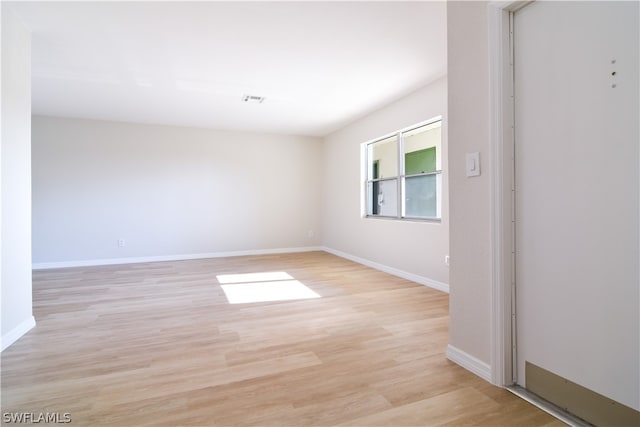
(577, 203)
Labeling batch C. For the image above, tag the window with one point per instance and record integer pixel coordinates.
(403, 173)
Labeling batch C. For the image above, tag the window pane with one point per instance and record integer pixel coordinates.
(421, 197)
(422, 149)
(372, 207)
(420, 161)
(382, 158)
(382, 198)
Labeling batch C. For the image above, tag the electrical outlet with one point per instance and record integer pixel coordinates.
(446, 259)
(121, 243)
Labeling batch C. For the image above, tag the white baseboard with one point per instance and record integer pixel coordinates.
(469, 362)
(134, 260)
(394, 271)
(13, 335)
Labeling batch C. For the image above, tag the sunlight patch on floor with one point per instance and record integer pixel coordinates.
(263, 287)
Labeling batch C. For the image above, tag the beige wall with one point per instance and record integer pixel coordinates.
(469, 202)
(169, 190)
(15, 151)
(415, 247)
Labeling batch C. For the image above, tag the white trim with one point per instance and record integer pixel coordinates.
(440, 286)
(470, 363)
(496, 61)
(134, 260)
(17, 332)
(501, 152)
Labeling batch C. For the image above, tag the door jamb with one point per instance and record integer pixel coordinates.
(502, 236)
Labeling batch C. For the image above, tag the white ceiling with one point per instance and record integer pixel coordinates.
(320, 65)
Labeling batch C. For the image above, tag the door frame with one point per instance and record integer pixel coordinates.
(502, 192)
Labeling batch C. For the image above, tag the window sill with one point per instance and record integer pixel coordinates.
(404, 219)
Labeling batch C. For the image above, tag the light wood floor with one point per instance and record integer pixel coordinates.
(158, 344)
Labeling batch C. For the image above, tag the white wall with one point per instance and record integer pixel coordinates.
(169, 191)
(469, 202)
(414, 247)
(15, 152)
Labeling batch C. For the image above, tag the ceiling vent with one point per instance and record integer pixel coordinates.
(253, 99)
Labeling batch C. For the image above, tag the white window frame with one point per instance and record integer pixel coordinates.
(400, 177)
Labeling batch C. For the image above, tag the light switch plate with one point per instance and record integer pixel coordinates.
(473, 164)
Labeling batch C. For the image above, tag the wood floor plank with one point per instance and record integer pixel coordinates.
(438, 410)
(160, 344)
(177, 379)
